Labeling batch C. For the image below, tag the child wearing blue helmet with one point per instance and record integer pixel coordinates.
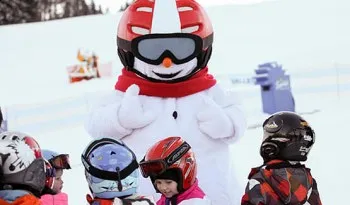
(52, 193)
(111, 170)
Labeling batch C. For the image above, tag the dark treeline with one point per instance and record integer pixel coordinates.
(25, 11)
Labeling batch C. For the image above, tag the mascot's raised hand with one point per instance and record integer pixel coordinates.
(213, 121)
(131, 113)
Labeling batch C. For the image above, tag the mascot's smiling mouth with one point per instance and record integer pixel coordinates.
(171, 75)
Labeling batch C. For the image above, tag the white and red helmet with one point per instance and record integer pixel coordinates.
(181, 28)
(21, 163)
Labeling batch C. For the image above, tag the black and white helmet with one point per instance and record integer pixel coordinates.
(21, 164)
(287, 136)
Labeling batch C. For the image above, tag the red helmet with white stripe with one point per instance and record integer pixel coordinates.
(159, 18)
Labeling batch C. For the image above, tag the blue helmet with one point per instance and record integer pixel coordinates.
(110, 168)
(48, 154)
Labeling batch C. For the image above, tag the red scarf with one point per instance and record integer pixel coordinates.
(198, 82)
(99, 201)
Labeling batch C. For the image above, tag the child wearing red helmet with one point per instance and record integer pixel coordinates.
(172, 168)
(283, 179)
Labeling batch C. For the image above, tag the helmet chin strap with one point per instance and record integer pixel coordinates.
(120, 186)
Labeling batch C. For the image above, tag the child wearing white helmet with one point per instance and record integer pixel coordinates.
(22, 169)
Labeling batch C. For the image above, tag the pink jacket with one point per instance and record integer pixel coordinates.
(58, 199)
(192, 196)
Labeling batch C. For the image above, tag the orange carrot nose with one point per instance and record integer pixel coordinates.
(167, 62)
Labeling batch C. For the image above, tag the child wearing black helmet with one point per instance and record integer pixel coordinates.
(283, 179)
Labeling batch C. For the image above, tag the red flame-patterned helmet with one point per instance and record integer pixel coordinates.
(154, 17)
(172, 153)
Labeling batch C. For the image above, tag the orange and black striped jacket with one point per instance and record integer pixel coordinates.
(280, 183)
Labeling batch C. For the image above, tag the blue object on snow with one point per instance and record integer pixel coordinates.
(275, 88)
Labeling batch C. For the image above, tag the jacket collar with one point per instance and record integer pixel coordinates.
(12, 195)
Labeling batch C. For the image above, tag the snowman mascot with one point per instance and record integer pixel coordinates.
(165, 90)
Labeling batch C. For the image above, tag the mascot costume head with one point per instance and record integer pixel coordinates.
(164, 42)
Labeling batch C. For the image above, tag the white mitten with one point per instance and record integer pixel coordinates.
(117, 201)
(213, 120)
(131, 114)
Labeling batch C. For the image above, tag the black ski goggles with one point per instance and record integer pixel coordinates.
(179, 47)
(60, 162)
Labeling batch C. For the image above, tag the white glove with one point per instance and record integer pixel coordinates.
(117, 201)
(131, 114)
(213, 120)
